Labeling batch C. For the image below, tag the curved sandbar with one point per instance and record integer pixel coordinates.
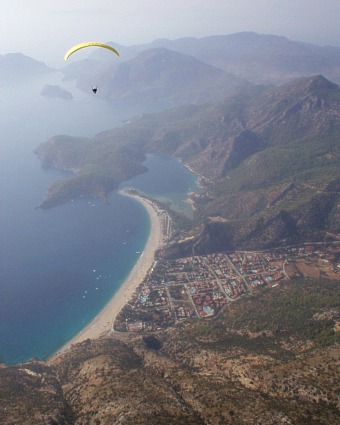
(103, 323)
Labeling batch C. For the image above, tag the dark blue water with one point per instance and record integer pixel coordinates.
(58, 268)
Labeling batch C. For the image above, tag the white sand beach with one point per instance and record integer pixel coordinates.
(102, 323)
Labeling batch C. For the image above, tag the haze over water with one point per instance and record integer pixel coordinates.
(59, 267)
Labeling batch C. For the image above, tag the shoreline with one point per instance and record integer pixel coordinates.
(103, 322)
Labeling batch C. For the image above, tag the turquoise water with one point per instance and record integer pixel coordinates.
(58, 268)
(167, 180)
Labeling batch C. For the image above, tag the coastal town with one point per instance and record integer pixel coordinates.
(199, 287)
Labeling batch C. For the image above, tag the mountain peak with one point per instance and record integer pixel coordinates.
(316, 85)
(320, 82)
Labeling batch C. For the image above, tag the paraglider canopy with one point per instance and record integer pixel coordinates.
(89, 44)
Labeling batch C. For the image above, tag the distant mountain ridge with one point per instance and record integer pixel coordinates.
(17, 65)
(163, 77)
(168, 73)
(258, 58)
(189, 70)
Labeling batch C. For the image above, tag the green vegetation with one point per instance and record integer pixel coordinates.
(291, 311)
(300, 309)
(100, 166)
(277, 165)
(95, 184)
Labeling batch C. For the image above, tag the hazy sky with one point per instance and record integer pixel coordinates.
(45, 29)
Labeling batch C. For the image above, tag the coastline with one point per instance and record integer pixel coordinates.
(103, 322)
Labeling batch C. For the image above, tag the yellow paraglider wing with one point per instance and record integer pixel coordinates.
(89, 44)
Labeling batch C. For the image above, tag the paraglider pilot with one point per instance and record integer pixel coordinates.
(89, 44)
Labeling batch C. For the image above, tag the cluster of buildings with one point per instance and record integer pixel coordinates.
(198, 287)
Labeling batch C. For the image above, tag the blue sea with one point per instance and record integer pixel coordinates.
(59, 267)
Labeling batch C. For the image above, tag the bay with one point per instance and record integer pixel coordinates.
(59, 267)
